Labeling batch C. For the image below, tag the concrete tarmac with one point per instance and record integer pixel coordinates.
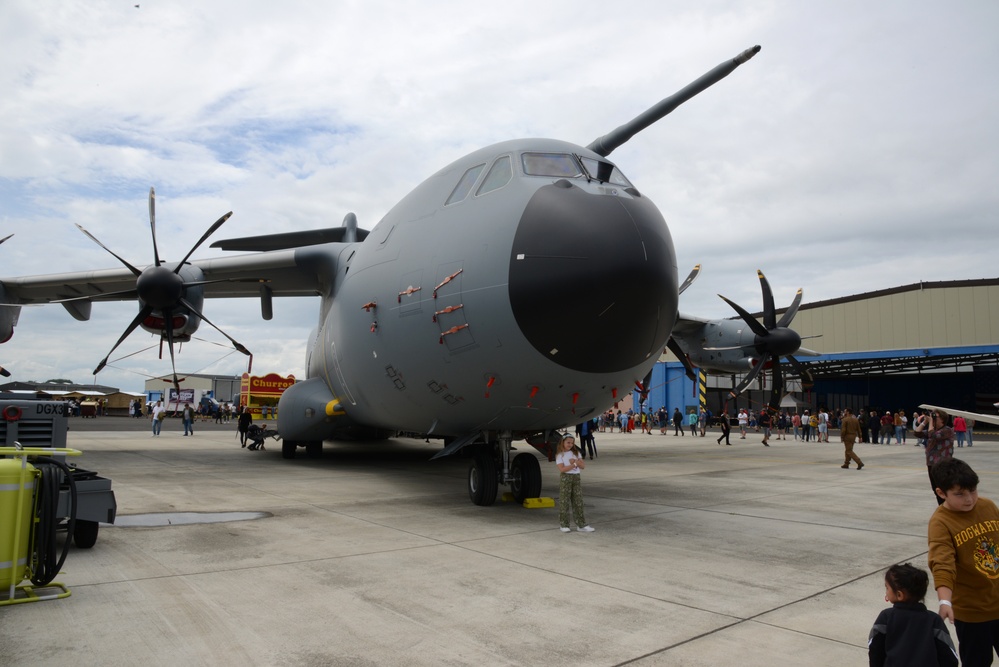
(373, 555)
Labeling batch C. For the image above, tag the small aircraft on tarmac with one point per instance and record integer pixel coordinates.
(741, 345)
(450, 317)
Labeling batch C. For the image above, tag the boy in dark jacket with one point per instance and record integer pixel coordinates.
(907, 634)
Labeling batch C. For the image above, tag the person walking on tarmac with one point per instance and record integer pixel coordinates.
(765, 421)
(157, 414)
(849, 432)
(243, 422)
(726, 429)
(188, 416)
(677, 422)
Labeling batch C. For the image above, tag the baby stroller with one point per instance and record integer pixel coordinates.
(256, 434)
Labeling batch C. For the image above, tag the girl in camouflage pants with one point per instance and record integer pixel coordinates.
(570, 463)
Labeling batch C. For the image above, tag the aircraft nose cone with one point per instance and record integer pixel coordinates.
(593, 281)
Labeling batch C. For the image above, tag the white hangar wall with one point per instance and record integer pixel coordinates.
(923, 315)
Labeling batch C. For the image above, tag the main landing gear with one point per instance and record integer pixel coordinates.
(313, 448)
(491, 466)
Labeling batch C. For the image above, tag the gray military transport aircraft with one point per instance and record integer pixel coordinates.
(451, 317)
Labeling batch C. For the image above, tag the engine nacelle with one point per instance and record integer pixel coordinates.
(184, 323)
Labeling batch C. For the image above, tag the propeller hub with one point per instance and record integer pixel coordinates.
(159, 287)
(780, 341)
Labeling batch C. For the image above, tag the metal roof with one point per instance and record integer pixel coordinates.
(886, 362)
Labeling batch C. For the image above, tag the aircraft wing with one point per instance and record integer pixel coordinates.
(991, 419)
(285, 272)
(688, 325)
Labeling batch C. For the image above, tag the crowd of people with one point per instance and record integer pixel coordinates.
(220, 413)
(77, 407)
(885, 429)
(188, 413)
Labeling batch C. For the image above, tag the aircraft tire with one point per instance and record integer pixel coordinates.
(85, 533)
(482, 483)
(526, 472)
(288, 448)
(314, 449)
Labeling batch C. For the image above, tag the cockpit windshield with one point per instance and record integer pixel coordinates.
(560, 165)
(565, 165)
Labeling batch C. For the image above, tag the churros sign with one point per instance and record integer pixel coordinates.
(271, 384)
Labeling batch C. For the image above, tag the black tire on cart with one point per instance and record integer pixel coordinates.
(85, 533)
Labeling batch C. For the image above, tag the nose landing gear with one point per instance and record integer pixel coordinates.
(491, 466)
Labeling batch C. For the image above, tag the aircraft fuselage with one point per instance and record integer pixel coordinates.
(530, 301)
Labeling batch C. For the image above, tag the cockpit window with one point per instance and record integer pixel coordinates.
(465, 185)
(559, 165)
(499, 175)
(605, 172)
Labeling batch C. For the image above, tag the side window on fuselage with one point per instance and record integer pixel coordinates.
(464, 185)
(499, 175)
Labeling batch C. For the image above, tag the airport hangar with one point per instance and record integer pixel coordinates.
(928, 342)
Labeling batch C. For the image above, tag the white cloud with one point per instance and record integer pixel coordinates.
(855, 152)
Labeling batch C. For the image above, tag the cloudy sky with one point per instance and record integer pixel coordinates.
(858, 151)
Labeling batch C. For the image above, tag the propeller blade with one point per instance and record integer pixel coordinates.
(204, 237)
(769, 312)
(777, 384)
(802, 370)
(643, 389)
(792, 310)
(94, 297)
(239, 346)
(757, 328)
(750, 376)
(5, 238)
(674, 347)
(195, 283)
(143, 313)
(135, 271)
(152, 225)
(686, 283)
